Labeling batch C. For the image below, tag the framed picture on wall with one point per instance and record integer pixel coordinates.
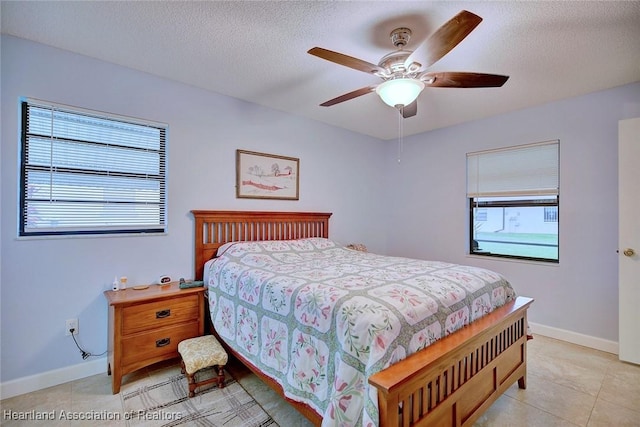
(267, 176)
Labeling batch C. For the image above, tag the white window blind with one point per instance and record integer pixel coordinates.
(85, 172)
(525, 170)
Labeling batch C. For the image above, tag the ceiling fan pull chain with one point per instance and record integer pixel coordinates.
(400, 131)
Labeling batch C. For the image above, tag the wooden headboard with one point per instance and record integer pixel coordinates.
(215, 228)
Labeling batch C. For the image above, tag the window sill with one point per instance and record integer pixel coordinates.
(516, 260)
(88, 236)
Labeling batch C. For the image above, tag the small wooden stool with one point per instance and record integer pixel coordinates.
(199, 353)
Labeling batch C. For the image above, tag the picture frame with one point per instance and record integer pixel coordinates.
(267, 176)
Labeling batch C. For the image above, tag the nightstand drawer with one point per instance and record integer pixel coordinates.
(143, 317)
(157, 343)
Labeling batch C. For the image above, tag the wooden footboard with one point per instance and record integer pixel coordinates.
(453, 381)
(450, 383)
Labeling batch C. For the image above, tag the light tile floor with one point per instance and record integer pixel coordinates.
(567, 385)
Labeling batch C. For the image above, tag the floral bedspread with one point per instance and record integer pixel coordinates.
(320, 318)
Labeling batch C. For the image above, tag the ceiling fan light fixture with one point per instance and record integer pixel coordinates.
(399, 91)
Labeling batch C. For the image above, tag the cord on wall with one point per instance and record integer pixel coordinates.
(85, 354)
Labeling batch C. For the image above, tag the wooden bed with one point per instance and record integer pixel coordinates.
(450, 383)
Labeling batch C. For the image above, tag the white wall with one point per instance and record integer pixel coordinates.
(46, 281)
(580, 294)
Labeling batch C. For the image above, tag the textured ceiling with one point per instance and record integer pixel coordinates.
(256, 51)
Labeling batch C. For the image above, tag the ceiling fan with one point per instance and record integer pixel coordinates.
(404, 71)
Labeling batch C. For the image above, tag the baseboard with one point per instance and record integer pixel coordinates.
(575, 338)
(50, 378)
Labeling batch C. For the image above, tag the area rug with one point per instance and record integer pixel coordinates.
(166, 403)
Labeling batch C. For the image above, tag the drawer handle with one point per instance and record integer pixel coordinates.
(163, 342)
(163, 313)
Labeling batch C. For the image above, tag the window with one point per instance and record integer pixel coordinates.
(513, 198)
(86, 172)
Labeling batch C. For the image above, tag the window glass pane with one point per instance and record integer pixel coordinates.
(78, 126)
(45, 186)
(514, 230)
(77, 155)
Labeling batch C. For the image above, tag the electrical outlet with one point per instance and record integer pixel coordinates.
(71, 324)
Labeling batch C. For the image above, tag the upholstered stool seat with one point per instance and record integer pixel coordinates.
(199, 353)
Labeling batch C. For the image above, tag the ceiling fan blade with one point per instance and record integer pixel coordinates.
(348, 96)
(346, 60)
(462, 79)
(444, 39)
(409, 110)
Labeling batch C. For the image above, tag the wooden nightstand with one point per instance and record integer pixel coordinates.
(145, 326)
